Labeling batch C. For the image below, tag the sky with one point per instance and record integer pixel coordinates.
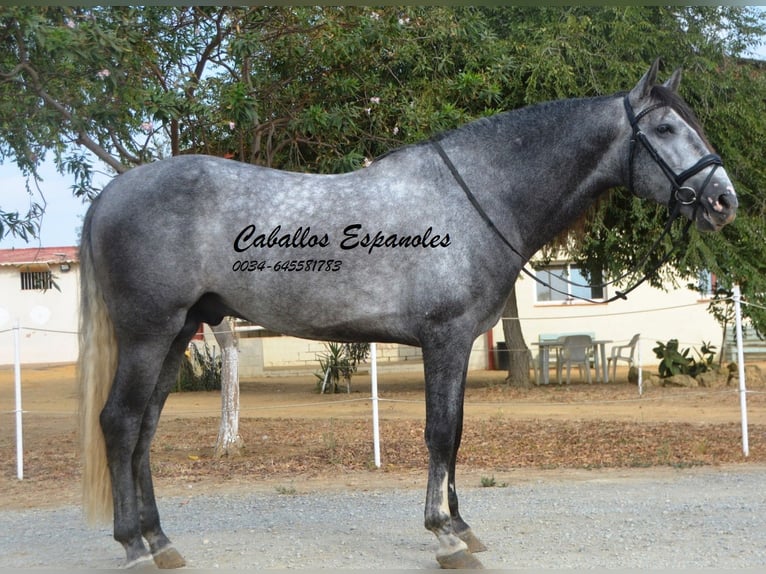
(63, 214)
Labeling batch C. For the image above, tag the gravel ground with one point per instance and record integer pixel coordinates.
(643, 519)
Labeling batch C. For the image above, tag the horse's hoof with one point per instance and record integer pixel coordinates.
(462, 559)
(168, 558)
(474, 544)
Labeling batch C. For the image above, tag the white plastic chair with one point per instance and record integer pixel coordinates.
(616, 355)
(533, 362)
(575, 350)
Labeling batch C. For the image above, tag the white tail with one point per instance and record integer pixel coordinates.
(97, 364)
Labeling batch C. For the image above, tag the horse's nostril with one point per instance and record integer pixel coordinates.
(724, 201)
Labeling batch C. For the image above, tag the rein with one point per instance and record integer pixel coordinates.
(681, 195)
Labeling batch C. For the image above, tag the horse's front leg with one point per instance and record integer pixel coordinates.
(445, 385)
(460, 526)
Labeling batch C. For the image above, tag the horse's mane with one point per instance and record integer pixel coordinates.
(659, 93)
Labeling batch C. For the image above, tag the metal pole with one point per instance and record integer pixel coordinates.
(19, 424)
(640, 370)
(375, 422)
(741, 367)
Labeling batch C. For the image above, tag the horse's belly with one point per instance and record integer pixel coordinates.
(319, 305)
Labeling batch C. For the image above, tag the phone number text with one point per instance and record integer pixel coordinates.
(305, 265)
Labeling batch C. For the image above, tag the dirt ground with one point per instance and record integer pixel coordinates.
(297, 439)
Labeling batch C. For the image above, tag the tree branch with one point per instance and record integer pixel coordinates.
(82, 138)
(123, 151)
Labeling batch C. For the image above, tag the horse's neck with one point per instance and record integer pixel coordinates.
(541, 168)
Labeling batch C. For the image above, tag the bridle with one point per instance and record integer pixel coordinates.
(680, 195)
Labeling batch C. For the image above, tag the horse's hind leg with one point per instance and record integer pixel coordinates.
(163, 552)
(129, 419)
(122, 422)
(445, 364)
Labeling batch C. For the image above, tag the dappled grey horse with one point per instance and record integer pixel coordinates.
(422, 247)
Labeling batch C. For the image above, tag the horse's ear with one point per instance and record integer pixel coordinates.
(646, 83)
(673, 81)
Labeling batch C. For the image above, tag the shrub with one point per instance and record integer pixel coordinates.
(674, 361)
(200, 370)
(340, 362)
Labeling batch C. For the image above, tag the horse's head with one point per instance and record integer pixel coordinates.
(670, 159)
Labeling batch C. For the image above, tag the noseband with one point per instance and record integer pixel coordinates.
(681, 194)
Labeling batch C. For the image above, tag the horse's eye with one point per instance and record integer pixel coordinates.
(663, 129)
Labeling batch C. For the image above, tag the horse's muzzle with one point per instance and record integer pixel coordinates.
(717, 207)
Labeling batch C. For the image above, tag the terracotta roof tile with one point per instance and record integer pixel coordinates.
(38, 255)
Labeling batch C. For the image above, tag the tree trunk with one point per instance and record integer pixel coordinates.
(229, 442)
(518, 354)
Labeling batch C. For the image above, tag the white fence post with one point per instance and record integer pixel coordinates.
(640, 369)
(17, 377)
(741, 367)
(375, 422)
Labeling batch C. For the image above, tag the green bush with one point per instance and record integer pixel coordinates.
(200, 370)
(339, 362)
(674, 361)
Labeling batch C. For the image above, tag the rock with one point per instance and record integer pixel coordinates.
(714, 379)
(754, 376)
(653, 379)
(680, 381)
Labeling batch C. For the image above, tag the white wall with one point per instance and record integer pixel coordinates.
(40, 314)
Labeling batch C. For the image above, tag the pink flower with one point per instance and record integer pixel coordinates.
(101, 74)
(232, 125)
(147, 127)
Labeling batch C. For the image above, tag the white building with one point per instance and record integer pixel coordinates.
(657, 315)
(39, 290)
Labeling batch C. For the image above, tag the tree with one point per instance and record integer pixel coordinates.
(229, 441)
(88, 80)
(587, 51)
(518, 354)
(323, 89)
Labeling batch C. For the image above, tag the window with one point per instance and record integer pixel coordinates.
(565, 283)
(31, 280)
(706, 284)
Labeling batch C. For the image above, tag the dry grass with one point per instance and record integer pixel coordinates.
(580, 426)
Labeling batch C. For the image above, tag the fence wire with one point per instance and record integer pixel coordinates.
(468, 403)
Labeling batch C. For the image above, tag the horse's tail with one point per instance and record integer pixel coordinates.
(97, 363)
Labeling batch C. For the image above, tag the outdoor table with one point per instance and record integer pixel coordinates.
(599, 359)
